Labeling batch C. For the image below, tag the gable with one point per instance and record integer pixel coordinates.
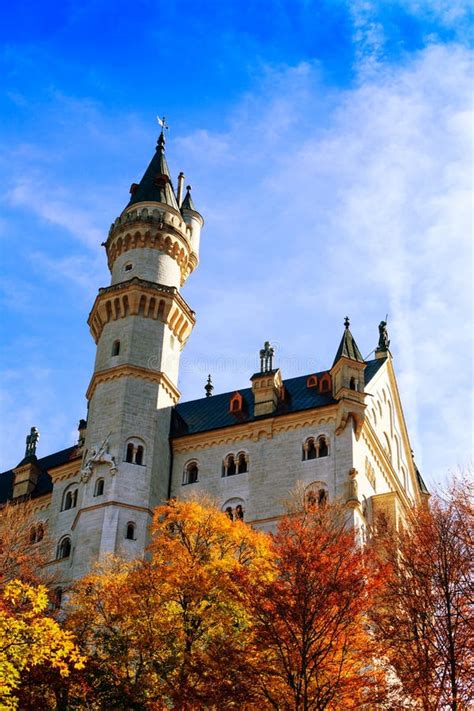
(385, 415)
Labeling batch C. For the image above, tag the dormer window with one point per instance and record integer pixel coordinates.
(325, 383)
(236, 403)
(312, 381)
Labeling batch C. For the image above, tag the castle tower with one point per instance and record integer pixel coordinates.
(140, 324)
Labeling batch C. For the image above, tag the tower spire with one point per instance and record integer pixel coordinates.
(156, 185)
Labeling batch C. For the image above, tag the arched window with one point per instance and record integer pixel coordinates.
(241, 463)
(316, 495)
(234, 509)
(64, 548)
(139, 455)
(39, 532)
(33, 535)
(231, 468)
(69, 499)
(352, 384)
(130, 533)
(323, 449)
(191, 473)
(135, 451)
(116, 348)
(99, 487)
(309, 449)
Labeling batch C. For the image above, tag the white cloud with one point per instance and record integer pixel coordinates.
(370, 214)
(59, 210)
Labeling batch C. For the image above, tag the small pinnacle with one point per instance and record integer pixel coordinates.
(188, 188)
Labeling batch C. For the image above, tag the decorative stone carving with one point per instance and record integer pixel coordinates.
(98, 455)
(352, 494)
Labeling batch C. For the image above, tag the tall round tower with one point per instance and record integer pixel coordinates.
(140, 324)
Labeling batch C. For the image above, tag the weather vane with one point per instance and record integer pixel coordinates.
(162, 122)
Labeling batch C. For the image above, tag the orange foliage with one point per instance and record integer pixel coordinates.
(172, 631)
(312, 646)
(425, 616)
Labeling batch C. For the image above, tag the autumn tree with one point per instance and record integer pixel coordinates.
(21, 553)
(173, 631)
(424, 615)
(313, 649)
(28, 638)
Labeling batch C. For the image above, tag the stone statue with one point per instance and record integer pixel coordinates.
(98, 455)
(31, 442)
(266, 357)
(384, 341)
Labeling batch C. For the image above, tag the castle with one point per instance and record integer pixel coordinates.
(339, 434)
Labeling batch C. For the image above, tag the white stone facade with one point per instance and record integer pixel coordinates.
(128, 463)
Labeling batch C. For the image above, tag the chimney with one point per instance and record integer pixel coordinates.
(267, 385)
(179, 196)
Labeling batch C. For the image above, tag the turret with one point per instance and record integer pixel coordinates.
(347, 375)
(193, 219)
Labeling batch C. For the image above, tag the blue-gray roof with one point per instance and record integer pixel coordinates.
(45, 483)
(156, 185)
(210, 413)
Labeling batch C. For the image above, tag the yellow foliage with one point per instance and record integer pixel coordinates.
(29, 637)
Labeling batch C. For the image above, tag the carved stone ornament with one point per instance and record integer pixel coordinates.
(98, 455)
(352, 485)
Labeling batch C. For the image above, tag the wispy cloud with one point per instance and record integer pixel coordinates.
(34, 196)
(370, 215)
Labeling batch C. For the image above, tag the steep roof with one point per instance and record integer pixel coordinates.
(156, 185)
(209, 413)
(188, 203)
(44, 484)
(348, 347)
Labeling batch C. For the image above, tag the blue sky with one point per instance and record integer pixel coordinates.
(329, 145)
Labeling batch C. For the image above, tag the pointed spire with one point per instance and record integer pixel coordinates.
(209, 387)
(348, 347)
(187, 203)
(156, 185)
